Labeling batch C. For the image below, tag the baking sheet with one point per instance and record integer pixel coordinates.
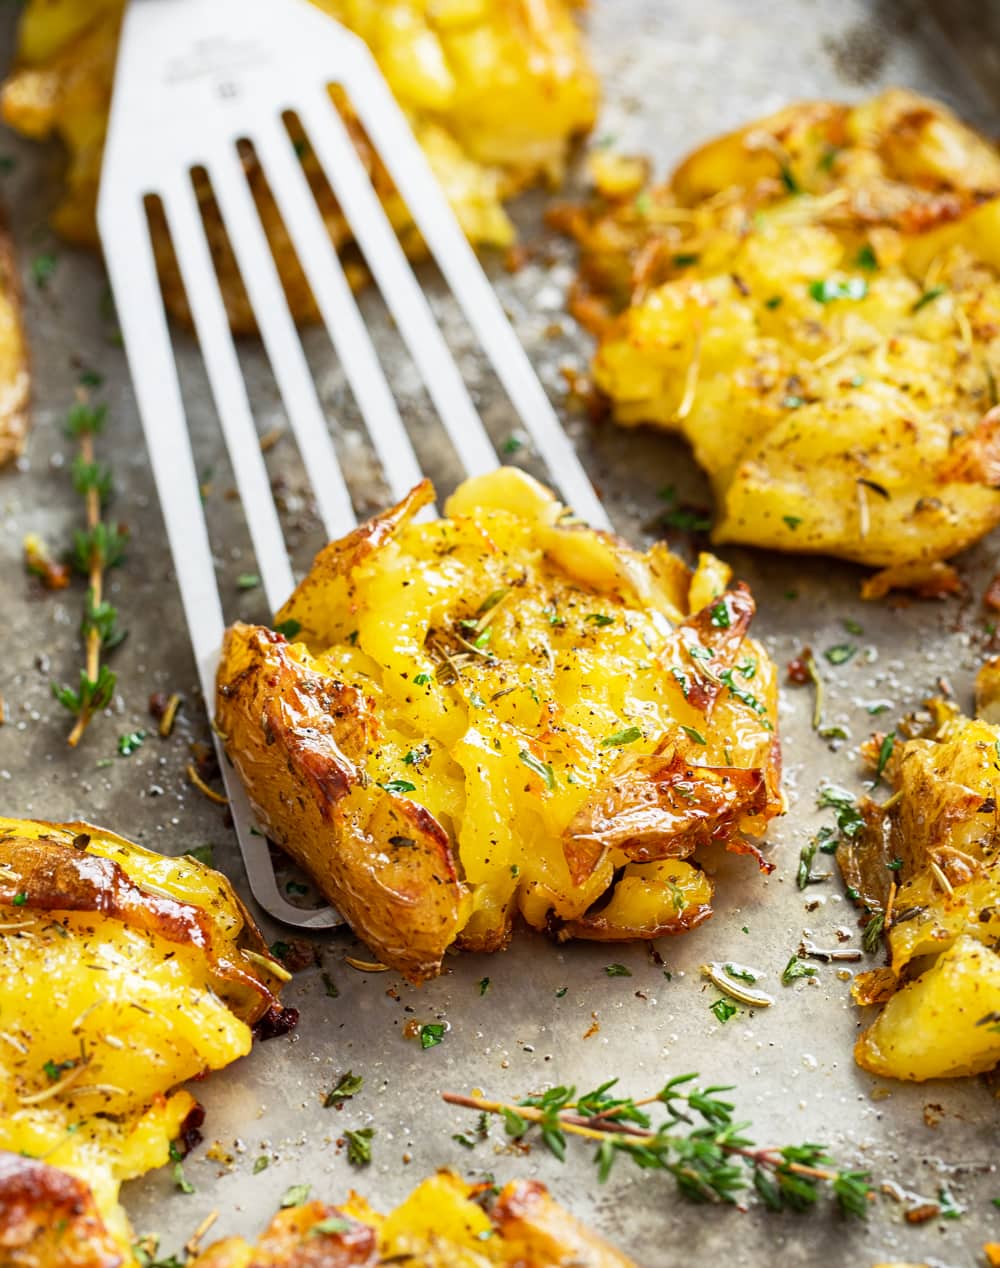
(674, 73)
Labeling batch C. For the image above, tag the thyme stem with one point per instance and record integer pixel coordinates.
(698, 1143)
(95, 576)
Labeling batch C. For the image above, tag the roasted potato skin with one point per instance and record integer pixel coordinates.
(928, 864)
(409, 782)
(126, 974)
(813, 301)
(406, 897)
(494, 94)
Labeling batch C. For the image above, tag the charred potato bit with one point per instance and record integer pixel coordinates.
(928, 865)
(126, 973)
(494, 90)
(814, 303)
(503, 712)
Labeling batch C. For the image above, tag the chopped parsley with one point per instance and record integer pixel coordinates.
(774, 302)
(849, 818)
(484, 985)
(261, 1164)
(347, 1085)
(543, 770)
(793, 521)
(692, 734)
(43, 268)
(332, 1224)
(840, 653)
(828, 289)
(421, 680)
(789, 181)
(794, 969)
(804, 876)
(744, 697)
(201, 854)
(617, 970)
(628, 736)
(719, 615)
(359, 1146)
(928, 297)
(884, 754)
(739, 973)
(432, 1034)
(866, 258)
(19, 899)
(684, 259)
(295, 1195)
(127, 744)
(724, 1009)
(599, 619)
(56, 1069)
(398, 786)
(180, 1180)
(247, 581)
(289, 628)
(417, 755)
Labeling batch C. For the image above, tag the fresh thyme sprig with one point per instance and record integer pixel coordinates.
(698, 1143)
(97, 548)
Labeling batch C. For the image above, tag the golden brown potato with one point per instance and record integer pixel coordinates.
(48, 1219)
(438, 1226)
(494, 89)
(926, 865)
(126, 973)
(503, 712)
(15, 378)
(814, 303)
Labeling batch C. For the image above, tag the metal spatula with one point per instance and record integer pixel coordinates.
(195, 78)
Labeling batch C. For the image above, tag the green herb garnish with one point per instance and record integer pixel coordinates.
(295, 1195)
(724, 1009)
(347, 1085)
(628, 736)
(432, 1034)
(359, 1146)
(794, 969)
(829, 289)
(543, 770)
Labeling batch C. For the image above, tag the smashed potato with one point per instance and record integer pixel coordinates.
(126, 973)
(926, 865)
(503, 712)
(814, 303)
(494, 90)
(444, 1223)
